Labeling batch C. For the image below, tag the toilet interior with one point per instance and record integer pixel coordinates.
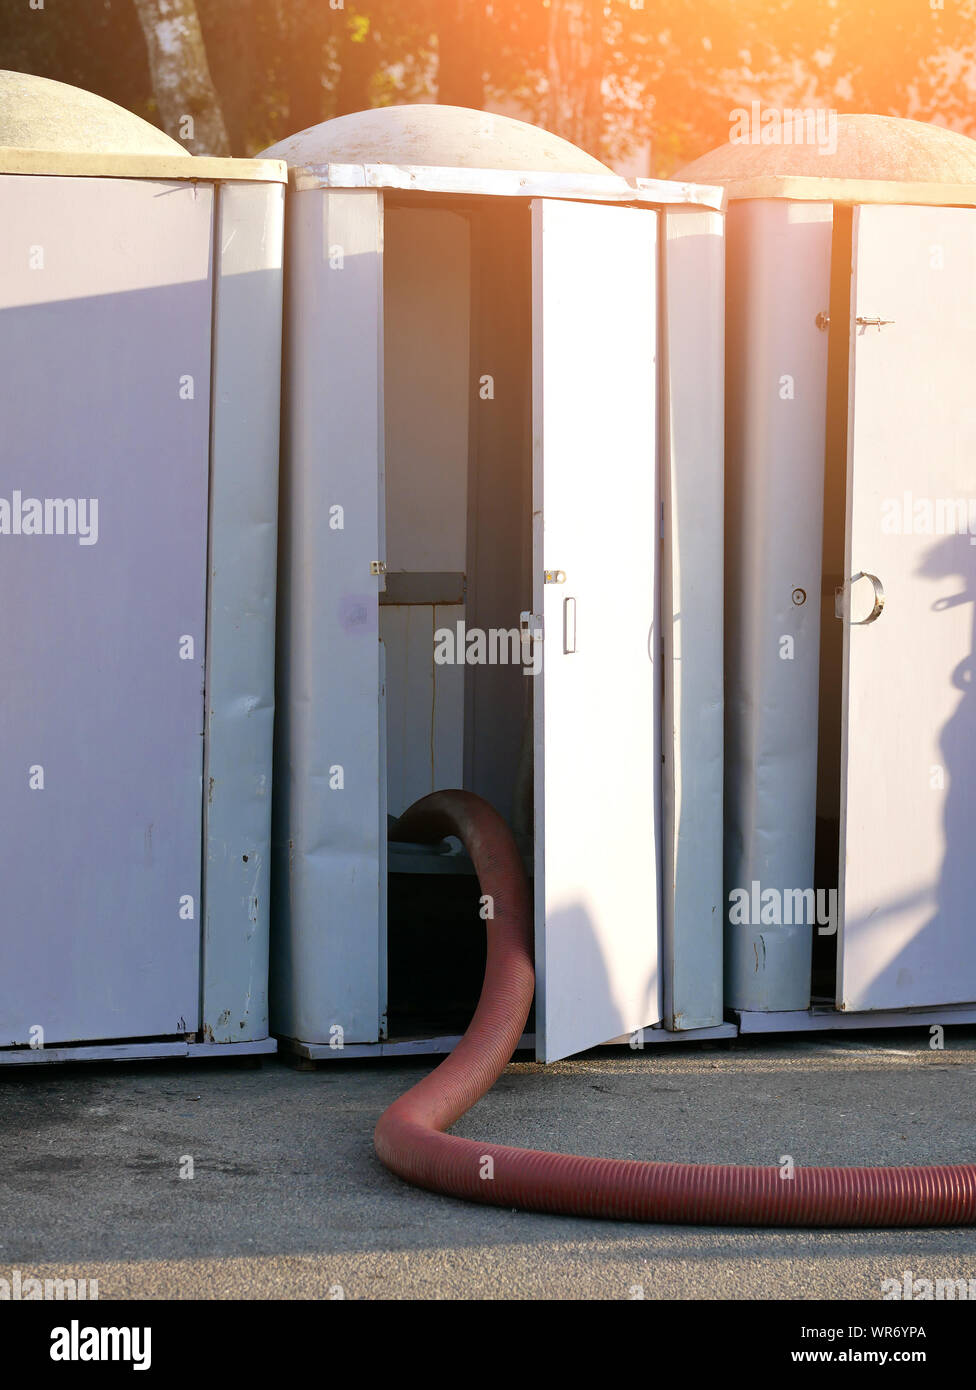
(458, 517)
(826, 871)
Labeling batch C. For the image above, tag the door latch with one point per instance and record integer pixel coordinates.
(873, 323)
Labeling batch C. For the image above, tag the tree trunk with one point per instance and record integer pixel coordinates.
(460, 74)
(185, 94)
(576, 71)
(307, 28)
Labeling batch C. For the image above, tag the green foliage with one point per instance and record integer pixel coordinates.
(664, 72)
(97, 44)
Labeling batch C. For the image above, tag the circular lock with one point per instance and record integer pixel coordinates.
(799, 597)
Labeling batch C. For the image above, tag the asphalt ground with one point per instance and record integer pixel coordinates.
(288, 1201)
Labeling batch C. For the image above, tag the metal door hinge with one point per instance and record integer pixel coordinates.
(531, 625)
(377, 567)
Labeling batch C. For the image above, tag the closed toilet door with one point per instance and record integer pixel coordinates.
(105, 307)
(908, 768)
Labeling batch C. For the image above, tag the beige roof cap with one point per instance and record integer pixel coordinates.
(424, 135)
(885, 148)
(37, 113)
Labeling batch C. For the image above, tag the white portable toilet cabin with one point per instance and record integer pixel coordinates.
(140, 332)
(502, 405)
(851, 569)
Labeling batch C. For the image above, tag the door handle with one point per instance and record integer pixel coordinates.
(569, 625)
(879, 599)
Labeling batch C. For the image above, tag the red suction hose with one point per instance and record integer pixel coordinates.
(410, 1142)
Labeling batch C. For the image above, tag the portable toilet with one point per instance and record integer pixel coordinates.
(502, 406)
(140, 331)
(851, 566)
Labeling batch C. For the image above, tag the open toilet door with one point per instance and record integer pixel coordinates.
(908, 761)
(596, 529)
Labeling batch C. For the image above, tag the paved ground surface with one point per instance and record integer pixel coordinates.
(288, 1201)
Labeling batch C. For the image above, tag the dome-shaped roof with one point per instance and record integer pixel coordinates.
(452, 137)
(868, 147)
(39, 114)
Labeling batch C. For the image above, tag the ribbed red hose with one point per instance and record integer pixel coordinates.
(409, 1141)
